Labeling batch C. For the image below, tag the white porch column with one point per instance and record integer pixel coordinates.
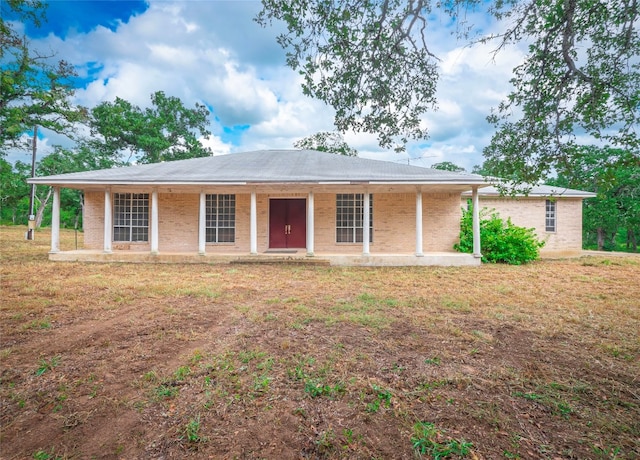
(365, 224)
(108, 220)
(253, 224)
(202, 222)
(55, 221)
(154, 221)
(419, 252)
(310, 224)
(476, 223)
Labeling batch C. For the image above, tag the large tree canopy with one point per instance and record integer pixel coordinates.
(615, 177)
(447, 166)
(35, 89)
(164, 132)
(581, 78)
(371, 61)
(367, 59)
(327, 141)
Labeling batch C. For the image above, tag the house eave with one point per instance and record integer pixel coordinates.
(467, 194)
(106, 183)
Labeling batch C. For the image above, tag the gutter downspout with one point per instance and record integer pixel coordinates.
(476, 224)
(419, 250)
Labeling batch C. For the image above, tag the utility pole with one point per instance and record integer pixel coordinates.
(32, 198)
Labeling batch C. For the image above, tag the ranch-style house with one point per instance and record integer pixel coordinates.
(270, 205)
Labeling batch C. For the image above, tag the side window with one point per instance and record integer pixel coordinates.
(550, 216)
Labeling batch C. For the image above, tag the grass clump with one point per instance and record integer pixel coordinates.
(427, 440)
(44, 455)
(47, 365)
(316, 388)
(191, 432)
(382, 399)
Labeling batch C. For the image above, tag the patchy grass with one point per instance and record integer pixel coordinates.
(150, 361)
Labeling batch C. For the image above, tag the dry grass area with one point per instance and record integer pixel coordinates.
(287, 362)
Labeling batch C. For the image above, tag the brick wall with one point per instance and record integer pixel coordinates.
(178, 216)
(394, 223)
(530, 213)
(177, 222)
(441, 221)
(393, 219)
(93, 220)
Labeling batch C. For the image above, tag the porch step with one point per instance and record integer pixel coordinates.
(282, 260)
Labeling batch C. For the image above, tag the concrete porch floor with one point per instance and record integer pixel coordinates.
(299, 257)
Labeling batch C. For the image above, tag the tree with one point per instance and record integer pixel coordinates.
(326, 141)
(614, 175)
(371, 62)
(63, 161)
(487, 169)
(447, 166)
(582, 75)
(166, 131)
(365, 59)
(13, 189)
(33, 90)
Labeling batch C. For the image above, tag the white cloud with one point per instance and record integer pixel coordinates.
(217, 146)
(214, 53)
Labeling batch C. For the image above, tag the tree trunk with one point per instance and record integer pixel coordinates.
(631, 240)
(43, 204)
(600, 238)
(80, 213)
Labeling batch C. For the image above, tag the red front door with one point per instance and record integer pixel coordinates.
(287, 223)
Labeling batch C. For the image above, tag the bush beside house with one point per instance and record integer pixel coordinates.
(502, 241)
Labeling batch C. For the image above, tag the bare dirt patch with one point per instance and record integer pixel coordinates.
(280, 361)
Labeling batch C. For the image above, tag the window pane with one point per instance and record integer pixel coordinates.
(130, 216)
(211, 235)
(220, 219)
(226, 235)
(350, 217)
(550, 216)
(139, 234)
(121, 234)
(344, 235)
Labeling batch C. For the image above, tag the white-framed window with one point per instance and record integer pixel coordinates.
(350, 217)
(131, 217)
(220, 219)
(550, 216)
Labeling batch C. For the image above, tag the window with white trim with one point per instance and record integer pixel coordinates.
(350, 217)
(550, 216)
(131, 217)
(220, 226)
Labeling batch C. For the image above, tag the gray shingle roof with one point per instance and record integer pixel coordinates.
(265, 166)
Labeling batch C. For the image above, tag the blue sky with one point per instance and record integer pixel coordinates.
(82, 16)
(212, 52)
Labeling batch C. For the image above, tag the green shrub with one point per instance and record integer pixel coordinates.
(501, 242)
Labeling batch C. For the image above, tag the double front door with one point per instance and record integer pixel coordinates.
(287, 223)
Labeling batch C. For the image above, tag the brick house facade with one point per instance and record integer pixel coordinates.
(393, 224)
(305, 204)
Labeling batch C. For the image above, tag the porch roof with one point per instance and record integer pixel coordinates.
(265, 167)
(536, 191)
